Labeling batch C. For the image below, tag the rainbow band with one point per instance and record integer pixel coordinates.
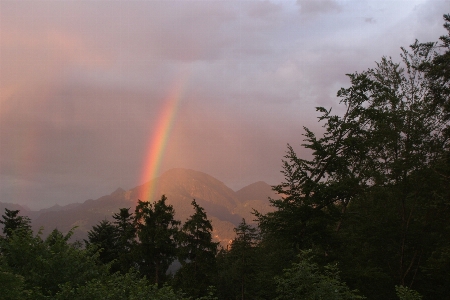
(159, 138)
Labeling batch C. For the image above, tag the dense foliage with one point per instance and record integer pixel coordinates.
(367, 217)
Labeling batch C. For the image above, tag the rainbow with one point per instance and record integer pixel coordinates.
(159, 138)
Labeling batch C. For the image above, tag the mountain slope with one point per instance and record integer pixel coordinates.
(254, 197)
(224, 207)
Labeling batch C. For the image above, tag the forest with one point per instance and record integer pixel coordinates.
(366, 217)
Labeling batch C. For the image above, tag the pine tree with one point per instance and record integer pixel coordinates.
(126, 238)
(197, 254)
(104, 236)
(13, 222)
(156, 231)
(240, 265)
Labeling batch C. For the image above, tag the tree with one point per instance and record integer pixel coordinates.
(12, 222)
(156, 230)
(104, 237)
(404, 293)
(306, 280)
(243, 245)
(125, 228)
(45, 265)
(13, 285)
(197, 254)
(373, 178)
(239, 266)
(116, 286)
(115, 241)
(438, 69)
(126, 238)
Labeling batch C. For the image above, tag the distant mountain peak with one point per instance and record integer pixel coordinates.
(257, 190)
(223, 205)
(118, 192)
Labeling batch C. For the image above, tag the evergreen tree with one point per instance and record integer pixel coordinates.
(126, 238)
(156, 230)
(197, 254)
(240, 266)
(105, 237)
(12, 222)
(373, 182)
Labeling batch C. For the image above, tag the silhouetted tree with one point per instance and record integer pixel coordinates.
(12, 222)
(105, 238)
(197, 254)
(156, 230)
(126, 238)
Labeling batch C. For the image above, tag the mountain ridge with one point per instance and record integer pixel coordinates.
(224, 207)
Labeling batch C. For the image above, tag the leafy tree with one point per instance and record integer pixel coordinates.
(12, 222)
(197, 254)
(156, 230)
(438, 69)
(118, 286)
(404, 293)
(307, 280)
(46, 264)
(13, 285)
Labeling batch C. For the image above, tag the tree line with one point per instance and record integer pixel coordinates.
(367, 217)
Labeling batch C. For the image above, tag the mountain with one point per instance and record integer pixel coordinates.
(257, 190)
(254, 197)
(224, 207)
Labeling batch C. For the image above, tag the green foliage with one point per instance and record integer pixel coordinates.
(239, 266)
(12, 222)
(12, 286)
(104, 236)
(374, 195)
(46, 264)
(210, 294)
(129, 286)
(126, 239)
(125, 227)
(115, 241)
(307, 281)
(197, 254)
(405, 293)
(438, 70)
(156, 230)
(373, 199)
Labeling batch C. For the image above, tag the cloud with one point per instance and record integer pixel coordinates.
(318, 6)
(82, 84)
(370, 20)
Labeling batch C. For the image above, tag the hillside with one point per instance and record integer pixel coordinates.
(224, 207)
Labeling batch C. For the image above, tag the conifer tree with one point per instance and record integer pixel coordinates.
(104, 236)
(126, 238)
(13, 222)
(240, 265)
(197, 254)
(156, 231)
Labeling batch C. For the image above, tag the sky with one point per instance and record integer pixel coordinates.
(96, 95)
